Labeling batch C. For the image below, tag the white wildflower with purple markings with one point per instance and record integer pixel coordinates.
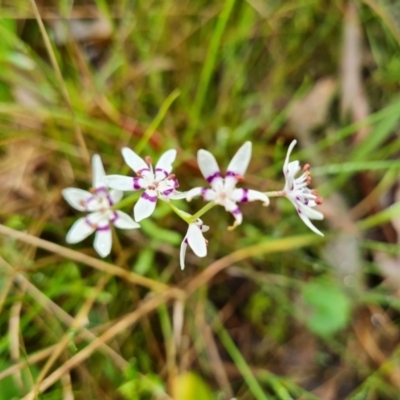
(98, 202)
(296, 190)
(195, 239)
(157, 183)
(223, 191)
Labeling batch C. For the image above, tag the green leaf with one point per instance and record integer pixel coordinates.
(164, 235)
(330, 307)
(190, 386)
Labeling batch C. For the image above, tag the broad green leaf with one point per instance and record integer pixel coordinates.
(329, 308)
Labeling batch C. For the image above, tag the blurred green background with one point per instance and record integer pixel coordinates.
(273, 311)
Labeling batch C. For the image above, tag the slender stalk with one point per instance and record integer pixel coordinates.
(202, 211)
(278, 193)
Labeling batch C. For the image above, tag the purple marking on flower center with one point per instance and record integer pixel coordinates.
(185, 240)
(114, 217)
(147, 196)
(136, 184)
(204, 191)
(162, 170)
(214, 176)
(103, 228)
(101, 189)
(298, 210)
(93, 226)
(244, 198)
(168, 192)
(231, 173)
(89, 200)
(236, 211)
(176, 183)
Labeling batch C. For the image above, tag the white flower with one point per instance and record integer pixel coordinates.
(298, 193)
(223, 190)
(158, 183)
(99, 202)
(194, 237)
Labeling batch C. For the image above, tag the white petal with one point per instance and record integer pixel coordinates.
(98, 171)
(164, 164)
(102, 242)
(145, 205)
(306, 220)
(76, 197)
(240, 160)
(209, 168)
(285, 165)
(310, 212)
(124, 221)
(232, 207)
(133, 160)
(115, 196)
(120, 182)
(204, 228)
(243, 195)
(293, 168)
(176, 195)
(79, 230)
(183, 253)
(192, 193)
(196, 240)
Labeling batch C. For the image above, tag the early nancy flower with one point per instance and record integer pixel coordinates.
(98, 201)
(158, 183)
(223, 190)
(194, 237)
(298, 193)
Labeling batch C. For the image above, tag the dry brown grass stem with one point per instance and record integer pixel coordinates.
(77, 323)
(144, 308)
(64, 317)
(90, 261)
(274, 246)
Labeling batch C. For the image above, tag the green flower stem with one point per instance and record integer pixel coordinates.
(182, 214)
(278, 193)
(127, 201)
(202, 211)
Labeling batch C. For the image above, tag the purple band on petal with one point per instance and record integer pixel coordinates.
(101, 189)
(204, 191)
(231, 173)
(110, 200)
(142, 170)
(162, 170)
(299, 211)
(236, 211)
(146, 196)
(244, 198)
(168, 191)
(103, 228)
(185, 241)
(136, 184)
(114, 217)
(89, 200)
(90, 224)
(214, 176)
(176, 183)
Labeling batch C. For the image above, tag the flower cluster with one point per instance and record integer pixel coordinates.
(158, 183)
